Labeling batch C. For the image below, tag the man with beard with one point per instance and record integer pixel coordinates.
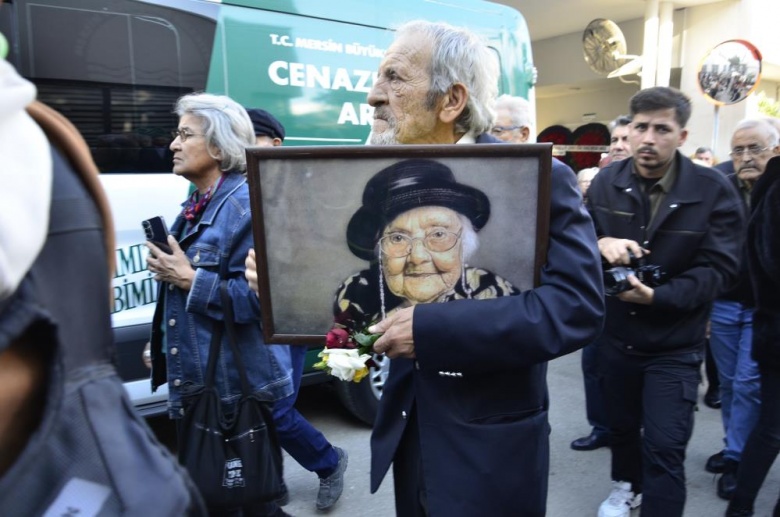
(659, 209)
(753, 143)
(464, 413)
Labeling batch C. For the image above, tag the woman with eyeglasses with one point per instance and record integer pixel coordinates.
(417, 227)
(209, 241)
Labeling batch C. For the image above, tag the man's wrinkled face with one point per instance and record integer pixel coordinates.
(424, 275)
(399, 96)
(619, 148)
(654, 138)
(505, 130)
(750, 152)
(706, 158)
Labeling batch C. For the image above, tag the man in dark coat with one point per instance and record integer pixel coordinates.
(763, 247)
(660, 208)
(753, 143)
(463, 415)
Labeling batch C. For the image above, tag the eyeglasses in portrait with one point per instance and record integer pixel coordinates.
(354, 233)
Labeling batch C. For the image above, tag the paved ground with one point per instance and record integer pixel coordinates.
(579, 481)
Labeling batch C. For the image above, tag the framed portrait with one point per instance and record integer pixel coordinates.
(390, 226)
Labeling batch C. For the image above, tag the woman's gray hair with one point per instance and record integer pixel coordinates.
(226, 127)
(460, 56)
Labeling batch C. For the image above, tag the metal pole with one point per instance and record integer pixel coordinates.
(715, 128)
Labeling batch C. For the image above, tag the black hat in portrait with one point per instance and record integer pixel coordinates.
(406, 185)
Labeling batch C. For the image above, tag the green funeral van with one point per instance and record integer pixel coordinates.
(116, 67)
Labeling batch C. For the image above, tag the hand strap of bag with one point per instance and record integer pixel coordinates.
(228, 324)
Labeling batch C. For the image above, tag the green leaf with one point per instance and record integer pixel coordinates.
(365, 340)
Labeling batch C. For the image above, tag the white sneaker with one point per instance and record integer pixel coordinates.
(620, 501)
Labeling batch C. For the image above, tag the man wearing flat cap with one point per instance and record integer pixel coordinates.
(269, 132)
(463, 415)
(417, 227)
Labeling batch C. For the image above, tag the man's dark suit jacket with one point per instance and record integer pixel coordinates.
(478, 384)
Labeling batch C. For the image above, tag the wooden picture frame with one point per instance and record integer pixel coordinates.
(303, 199)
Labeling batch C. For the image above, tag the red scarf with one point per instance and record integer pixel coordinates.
(197, 203)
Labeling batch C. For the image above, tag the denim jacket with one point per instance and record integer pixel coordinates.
(218, 242)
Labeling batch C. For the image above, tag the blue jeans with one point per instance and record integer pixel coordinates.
(731, 334)
(594, 389)
(297, 436)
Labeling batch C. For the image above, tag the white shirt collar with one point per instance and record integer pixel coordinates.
(468, 138)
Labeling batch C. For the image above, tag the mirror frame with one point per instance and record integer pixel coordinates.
(710, 58)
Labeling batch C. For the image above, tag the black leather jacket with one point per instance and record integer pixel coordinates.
(695, 237)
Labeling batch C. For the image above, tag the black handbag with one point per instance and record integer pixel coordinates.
(235, 460)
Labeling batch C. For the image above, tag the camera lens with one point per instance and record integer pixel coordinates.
(616, 280)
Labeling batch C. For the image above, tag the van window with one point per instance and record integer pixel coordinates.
(115, 69)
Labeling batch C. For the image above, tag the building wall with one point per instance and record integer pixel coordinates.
(572, 111)
(561, 67)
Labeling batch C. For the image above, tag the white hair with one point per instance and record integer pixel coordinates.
(226, 126)
(469, 238)
(460, 56)
(587, 173)
(766, 128)
(519, 109)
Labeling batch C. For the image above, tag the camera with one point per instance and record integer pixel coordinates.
(616, 278)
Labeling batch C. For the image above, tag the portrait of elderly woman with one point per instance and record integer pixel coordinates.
(417, 228)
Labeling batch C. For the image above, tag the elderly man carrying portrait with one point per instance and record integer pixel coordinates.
(463, 415)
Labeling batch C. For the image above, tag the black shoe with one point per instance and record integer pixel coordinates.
(727, 483)
(716, 463)
(712, 398)
(284, 495)
(591, 442)
(738, 511)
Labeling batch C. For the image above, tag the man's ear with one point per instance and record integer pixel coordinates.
(277, 142)
(526, 132)
(683, 137)
(453, 103)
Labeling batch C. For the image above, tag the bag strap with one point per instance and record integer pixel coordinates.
(216, 340)
(228, 324)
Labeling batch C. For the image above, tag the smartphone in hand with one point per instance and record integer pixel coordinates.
(156, 232)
